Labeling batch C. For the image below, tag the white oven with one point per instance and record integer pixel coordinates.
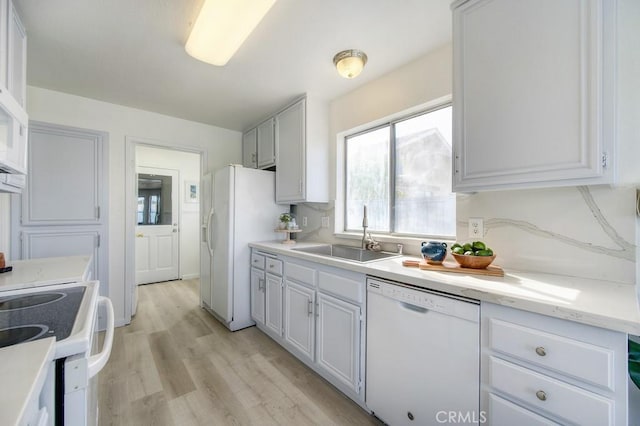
(70, 395)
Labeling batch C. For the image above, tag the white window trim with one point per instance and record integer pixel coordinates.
(338, 230)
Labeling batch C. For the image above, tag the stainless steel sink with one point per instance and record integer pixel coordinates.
(348, 253)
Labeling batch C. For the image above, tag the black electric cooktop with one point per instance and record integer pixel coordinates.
(48, 313)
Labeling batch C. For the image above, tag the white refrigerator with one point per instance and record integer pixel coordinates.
(238, 207)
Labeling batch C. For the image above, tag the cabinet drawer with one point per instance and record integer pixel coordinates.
(567, 356)
(505, 413)
(341, 286)
(257, 261)
(274, 266)
(549, 395)
(301, 274)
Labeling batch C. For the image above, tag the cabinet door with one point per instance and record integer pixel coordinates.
(290, 164)
(17, 55)
(273, 303)
(249, 155)
(266, 145)
(13, 140)
(339, 340)
(299, 318)
(258, 284)
(532, 107)
(4, 55)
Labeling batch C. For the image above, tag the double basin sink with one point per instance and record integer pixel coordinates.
(347, 253)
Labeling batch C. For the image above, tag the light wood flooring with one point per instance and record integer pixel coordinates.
(176, 365)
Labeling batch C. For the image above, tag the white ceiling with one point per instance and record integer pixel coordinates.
(131, 52)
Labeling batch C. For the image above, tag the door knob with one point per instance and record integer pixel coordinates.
(139, 235)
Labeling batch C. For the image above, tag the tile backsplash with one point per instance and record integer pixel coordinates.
(576, 231)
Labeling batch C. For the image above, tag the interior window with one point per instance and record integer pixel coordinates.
(402, 172)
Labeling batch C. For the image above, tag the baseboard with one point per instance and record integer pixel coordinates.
(190, 276)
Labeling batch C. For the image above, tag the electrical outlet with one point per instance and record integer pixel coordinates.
(476, 227)
(304, 221)
(325, 221)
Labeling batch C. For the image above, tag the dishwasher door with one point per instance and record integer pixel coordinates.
(423, 356)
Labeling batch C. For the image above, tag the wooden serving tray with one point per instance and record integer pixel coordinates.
(493, 271)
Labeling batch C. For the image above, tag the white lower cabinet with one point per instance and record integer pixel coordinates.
(539, 370)
(273, 303)
(258, 288)
(505, 413)
(339, 340)
(317, 313)
(299, 326)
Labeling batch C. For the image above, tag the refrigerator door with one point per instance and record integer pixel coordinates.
(244, 211)
(206, 252)
(222, 225)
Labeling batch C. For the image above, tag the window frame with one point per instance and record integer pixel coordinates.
(390, 122)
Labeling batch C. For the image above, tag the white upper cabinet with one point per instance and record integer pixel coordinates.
(266, 145)
(13, 117)
(302, 172)
(533, 93)
(249, 146)
(17, 53)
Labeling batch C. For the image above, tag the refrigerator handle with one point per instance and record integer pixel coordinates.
(209, 228)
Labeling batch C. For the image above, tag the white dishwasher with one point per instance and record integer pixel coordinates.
(423, 359)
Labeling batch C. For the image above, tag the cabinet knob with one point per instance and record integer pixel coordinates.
(541, 351)
(542, 396)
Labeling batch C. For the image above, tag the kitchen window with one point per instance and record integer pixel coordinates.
(401, 171)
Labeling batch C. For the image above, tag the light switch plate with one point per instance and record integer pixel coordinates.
(304, 221)
(476, 227)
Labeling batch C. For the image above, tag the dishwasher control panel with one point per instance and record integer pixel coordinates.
(425, 299)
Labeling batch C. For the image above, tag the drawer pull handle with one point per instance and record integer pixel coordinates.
(541, 351)
(542, 396)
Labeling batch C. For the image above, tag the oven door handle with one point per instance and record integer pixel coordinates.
(99, 360)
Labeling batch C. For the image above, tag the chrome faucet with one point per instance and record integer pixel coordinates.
(365, 225)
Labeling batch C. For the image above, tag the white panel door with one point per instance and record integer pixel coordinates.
(339, 340)
(266, 144)
(257, 295)
(249, 149)
(63, 208)
(290, 148)
(299, 318)
(157, 242)
(273, 303)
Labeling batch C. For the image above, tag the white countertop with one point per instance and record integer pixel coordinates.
(599, 303)
(45, 271)
(23, 369)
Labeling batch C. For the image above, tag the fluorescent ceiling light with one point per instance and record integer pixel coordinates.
(222, 26)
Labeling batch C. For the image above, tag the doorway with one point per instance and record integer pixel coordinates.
(157, 215)
(163, 215)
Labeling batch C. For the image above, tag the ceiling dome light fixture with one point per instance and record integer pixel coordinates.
(222, 26)
(350, 63)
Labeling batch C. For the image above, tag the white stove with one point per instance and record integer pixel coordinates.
(68, 312)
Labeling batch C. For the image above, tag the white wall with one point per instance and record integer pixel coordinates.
(585, 231)
(222, 146)
(188, 166)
